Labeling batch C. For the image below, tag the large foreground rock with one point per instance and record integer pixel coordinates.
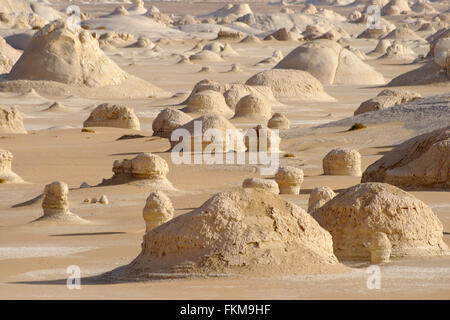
(422, 162)
(246, 231)
(357, 213)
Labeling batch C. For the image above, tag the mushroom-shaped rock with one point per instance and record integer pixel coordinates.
(56, 204)
(145, 169)
(380, 248)
(245, 231)
(318, 197)
(208, 102)
(210, 131)
(354, 215)
(330, 63)
(6, 173)
(279, 121)
(253, 106)
(158, 210)
(266, 184)
(422, 162)
(111, 115)
(262, 139)
(289, 179)
(237, 91)
(11, 120)
(387, 98)
(168, 120)
(342, 162)
(290, 83)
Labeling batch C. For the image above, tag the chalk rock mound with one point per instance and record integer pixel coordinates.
(146, 169)
(208, 101)
(422, 162)
(228, 51)
(56, 204)
(6, 173)
(318, 197)
(279, 121)
(138, 8)
(395, 8)
(206, 55)
(119, 11)
(253, 106)
(57, 107)
(246, 231)
(398, 51)
(168, 120)
(265, 184)
(387, 98)
(11, 120)
(8, 56)
(215, 46)
(282, 34)
(251, 38)
(403, 33)
(291, 83)
(289, 179)
(381, 47)
(377, 33)
(214, 132)
(111, 115)
(157, 211)
(330, 63)
(357, 213)
(236, 91)
(237, 10)
(57, 56)
(342, 162)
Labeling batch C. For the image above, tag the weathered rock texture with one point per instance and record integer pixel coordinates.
(342, 162)
(356, 214)
(422, 162)
(112, 115)
(246, 231)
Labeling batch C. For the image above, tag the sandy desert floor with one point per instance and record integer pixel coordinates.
(34, 256)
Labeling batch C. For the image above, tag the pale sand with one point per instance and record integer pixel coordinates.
(114, 237)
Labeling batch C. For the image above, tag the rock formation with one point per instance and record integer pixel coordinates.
(158, 210)
(357, 213)
(291, 83)
(330, 63)
(318, 197)
(168, 120)
(6, 173)
(342, 162)
(246, 231)
(145, 169)
(11, 120)
(109, 115)
(266, 184)
(289, 180)
(422, 162)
